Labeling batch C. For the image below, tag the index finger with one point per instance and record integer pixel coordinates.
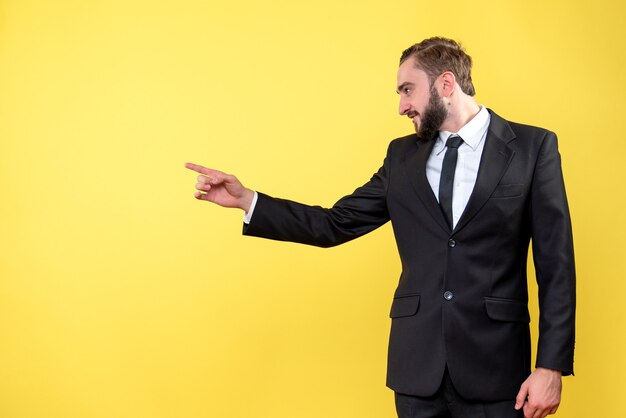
(200, 169)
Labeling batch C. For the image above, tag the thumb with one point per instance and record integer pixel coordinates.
(521, 396)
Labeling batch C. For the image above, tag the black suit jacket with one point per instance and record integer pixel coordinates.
(481, 329)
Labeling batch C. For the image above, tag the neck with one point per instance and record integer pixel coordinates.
(460, 115)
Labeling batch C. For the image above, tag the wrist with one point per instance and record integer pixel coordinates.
(551, 371)
(246, 200)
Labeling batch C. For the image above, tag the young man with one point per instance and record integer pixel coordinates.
(465, 195)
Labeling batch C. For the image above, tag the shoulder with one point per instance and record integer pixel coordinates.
(524, 130)
(404, 141)
(510, 130)
(400, 148)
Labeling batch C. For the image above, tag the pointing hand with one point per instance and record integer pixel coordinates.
(221, 188)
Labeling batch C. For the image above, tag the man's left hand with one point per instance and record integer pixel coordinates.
(540, 394)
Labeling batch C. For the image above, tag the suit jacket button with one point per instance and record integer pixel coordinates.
(448, 295)
(451, 243)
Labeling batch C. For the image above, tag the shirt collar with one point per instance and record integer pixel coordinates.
(473, 132)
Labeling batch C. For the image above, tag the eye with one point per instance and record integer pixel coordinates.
(406, 90)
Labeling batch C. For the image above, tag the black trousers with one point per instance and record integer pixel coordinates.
(447, 403)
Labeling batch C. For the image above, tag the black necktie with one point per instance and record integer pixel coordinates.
(446, 183)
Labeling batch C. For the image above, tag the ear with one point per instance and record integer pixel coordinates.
(448, 83)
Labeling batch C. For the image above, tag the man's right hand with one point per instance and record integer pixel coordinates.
(221, 188)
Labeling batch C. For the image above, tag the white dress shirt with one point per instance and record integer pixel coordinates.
(248, 216)
(473, 134)
(470, 151)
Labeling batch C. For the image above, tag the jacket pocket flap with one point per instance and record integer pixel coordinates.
(507, 310)
(405, 305)
(508, 190)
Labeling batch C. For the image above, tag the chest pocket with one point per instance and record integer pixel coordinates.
(507, 191)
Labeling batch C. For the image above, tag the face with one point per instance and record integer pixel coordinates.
(419, 100)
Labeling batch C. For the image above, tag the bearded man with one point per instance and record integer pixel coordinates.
(466, 194)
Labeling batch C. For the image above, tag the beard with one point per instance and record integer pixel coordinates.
(434, 116)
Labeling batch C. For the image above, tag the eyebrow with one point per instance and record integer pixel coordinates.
(403, 85)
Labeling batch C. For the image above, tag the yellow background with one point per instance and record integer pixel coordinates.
(122, 296)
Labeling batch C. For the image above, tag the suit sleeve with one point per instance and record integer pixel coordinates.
(352, 216)
(553, 254)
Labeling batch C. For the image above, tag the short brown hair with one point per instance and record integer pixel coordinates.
(438, 55)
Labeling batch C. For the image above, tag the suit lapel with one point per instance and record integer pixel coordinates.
(497, 156)
(415, 170)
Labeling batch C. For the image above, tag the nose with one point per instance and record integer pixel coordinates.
(404, 108)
